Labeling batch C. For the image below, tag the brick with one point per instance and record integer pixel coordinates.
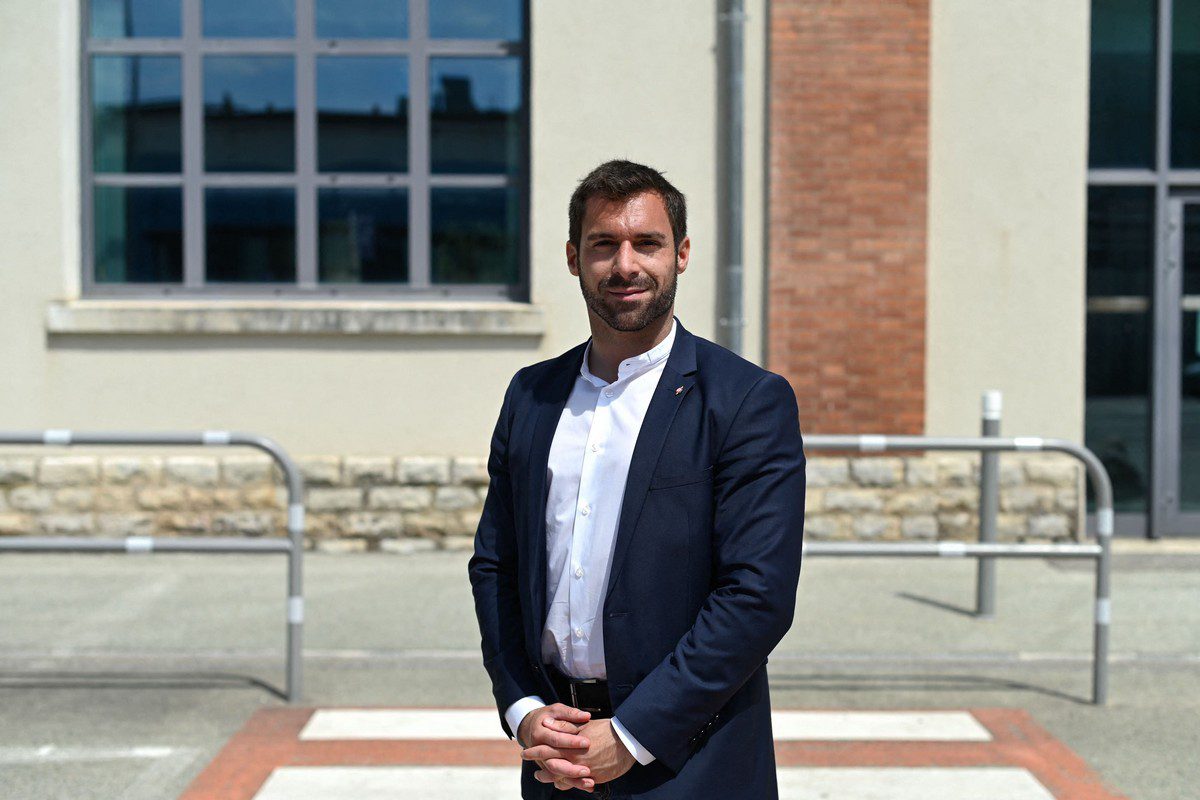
(472, 471)
(17, 469)
(334, 499)
(192, 470)
(369, 470)
(424, 469)
(131, 469)
(402, 498)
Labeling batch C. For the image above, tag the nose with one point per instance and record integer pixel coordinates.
(625, 263)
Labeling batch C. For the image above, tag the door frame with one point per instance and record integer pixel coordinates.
(1166, 519)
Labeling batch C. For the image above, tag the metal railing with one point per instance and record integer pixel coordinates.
(292, 546)
(1100, 551)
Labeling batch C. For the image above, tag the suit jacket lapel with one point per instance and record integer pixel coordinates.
(677, 379)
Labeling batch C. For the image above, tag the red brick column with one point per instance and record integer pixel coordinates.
(849, 105)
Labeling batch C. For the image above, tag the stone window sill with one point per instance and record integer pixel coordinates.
(290, 317)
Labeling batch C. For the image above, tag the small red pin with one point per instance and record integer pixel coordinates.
(679, 390)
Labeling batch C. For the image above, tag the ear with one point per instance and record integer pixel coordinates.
(684, 253)
(572, 259)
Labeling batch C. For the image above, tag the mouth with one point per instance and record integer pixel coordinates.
(627, 294)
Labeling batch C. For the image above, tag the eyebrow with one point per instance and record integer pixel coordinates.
(658, 237)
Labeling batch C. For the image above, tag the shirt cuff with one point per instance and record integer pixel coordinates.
(642, 755)
(517, 711)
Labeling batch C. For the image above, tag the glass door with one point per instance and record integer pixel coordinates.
(1177, 434)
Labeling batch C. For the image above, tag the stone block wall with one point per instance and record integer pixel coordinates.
(411, 503)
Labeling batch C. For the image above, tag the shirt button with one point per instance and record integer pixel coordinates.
(585, 510)
(595, 447)
(579, 572)
(579, 632)
(608, 392)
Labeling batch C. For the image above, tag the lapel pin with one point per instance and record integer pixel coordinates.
(679, 390)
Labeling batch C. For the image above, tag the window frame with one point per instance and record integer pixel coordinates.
(304, 47)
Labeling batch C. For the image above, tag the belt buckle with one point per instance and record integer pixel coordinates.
(575, 697)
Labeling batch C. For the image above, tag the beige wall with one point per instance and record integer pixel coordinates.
(602, 87)
(1008, 139)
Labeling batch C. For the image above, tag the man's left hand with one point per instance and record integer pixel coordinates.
(607, 757)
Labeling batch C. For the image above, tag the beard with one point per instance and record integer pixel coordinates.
(661, 300)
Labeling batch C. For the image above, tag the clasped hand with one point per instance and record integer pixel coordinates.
(572, 749)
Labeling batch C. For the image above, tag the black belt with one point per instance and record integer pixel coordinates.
(590, 694)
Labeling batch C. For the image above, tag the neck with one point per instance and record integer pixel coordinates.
(611, 347)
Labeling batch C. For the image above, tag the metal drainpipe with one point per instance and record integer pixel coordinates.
(730, 321)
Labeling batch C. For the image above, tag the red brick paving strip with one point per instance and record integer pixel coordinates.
(271, 739)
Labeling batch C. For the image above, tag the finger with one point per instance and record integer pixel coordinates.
(587, 784)
(560, 739)
(563, 711)
(541, 752)
(567, 769)
(560, 724)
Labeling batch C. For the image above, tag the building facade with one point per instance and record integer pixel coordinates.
(341, 224)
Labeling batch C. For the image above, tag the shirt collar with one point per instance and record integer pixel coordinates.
(635, 364)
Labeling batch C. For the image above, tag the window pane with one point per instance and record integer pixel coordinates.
(135, 114)
(1120, 241)
(474, 235)
(1185, 85)
(475, 19)
(357, 19)
(249, 113)
(263, 18)
(251, 235)
(1117, 409)
(124, 18)
(362, 114)
(1123, 83)
(476, 109)
(138, 234)
(363, 236)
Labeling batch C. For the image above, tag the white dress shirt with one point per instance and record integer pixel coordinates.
(586, 472)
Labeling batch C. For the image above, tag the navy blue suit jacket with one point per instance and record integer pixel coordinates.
(704, 572)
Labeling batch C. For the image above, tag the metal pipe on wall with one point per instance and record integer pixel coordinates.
(730, 319)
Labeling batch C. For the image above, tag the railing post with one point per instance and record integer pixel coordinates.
(989, 504)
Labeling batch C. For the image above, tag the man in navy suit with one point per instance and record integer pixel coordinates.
(640, 544)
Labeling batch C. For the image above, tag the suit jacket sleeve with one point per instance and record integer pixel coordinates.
(493, 570)
(758, 526)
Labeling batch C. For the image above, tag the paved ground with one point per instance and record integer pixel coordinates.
(125, 676)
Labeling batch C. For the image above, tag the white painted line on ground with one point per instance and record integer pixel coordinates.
(878, 726)
(392, 724)
(909, 783)
(795, 783)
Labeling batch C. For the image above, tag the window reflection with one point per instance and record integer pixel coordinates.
(249, 113)
(475, 19)
(251, 235)
(474, 235)
(362, 114)
(357, 19)
(1123, 83)
(476, 107)
(1185, 85)
(135, 114)
(127, 18)
(261, 18)
(138, 234)
(1120, 243)
(363, 235)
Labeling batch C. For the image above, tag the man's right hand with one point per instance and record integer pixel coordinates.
(558, 725)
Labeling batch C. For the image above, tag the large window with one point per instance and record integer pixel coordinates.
(305, 147)
(1143, 354)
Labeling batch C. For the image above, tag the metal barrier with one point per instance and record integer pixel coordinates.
(1100, 551)
(292, 546)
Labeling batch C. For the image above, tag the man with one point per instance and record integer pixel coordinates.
(639, 548)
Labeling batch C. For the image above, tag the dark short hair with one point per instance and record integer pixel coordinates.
(621, 180)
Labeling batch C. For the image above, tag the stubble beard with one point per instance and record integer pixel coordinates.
(662, 299)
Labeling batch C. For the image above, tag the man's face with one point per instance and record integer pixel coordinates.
(627, 263)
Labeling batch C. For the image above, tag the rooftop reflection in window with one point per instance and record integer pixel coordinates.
(249, 113)
(476, 106)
